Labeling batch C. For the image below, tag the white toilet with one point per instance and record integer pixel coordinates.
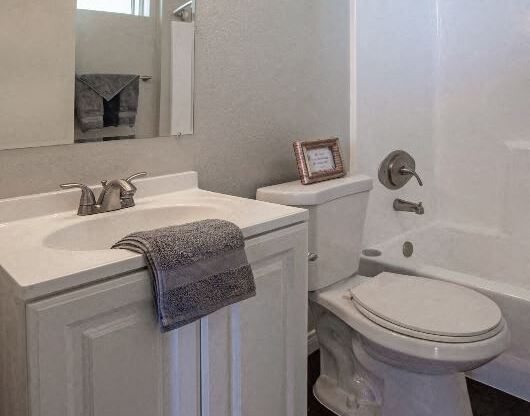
(390, 345)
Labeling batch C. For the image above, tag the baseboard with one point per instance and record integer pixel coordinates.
(312, 342)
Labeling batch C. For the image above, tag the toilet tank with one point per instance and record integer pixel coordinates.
(337, 210)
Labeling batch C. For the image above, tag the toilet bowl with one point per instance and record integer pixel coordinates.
(390, 345)
(369, 369)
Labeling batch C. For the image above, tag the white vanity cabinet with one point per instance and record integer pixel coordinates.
(98, 351)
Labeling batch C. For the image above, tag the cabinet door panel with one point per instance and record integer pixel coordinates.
(254, 352)
(98, 351)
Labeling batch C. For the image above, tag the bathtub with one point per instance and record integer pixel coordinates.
(487, 261)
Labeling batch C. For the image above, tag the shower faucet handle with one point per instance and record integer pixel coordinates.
(397, 169)
(406, 171)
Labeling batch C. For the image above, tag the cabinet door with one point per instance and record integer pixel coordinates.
(254, 352)
(99, 352)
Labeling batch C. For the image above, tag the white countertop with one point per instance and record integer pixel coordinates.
(32, 265)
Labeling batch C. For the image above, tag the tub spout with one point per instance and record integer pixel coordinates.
(402, 205)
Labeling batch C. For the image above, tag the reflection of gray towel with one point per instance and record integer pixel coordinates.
(197, 269)
(120, 95)
(88, 107)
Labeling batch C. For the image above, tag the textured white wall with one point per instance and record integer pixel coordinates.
(394, 89)
(266, 74)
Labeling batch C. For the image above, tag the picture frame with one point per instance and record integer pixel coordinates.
(318, 160)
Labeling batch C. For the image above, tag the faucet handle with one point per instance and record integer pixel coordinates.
(87, 201)
(406, 171)
(134, 176)
(127, 196)
(87, 196)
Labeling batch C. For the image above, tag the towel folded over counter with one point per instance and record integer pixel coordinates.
(197, 268)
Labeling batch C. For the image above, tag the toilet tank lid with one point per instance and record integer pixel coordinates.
(296, 194)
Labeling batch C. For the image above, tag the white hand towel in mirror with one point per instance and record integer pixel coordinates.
(182, 63)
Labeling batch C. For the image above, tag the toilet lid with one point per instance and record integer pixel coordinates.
(428, 306)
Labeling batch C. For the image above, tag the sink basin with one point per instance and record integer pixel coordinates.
(101, 231)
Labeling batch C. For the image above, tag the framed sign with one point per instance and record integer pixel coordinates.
(318, 160)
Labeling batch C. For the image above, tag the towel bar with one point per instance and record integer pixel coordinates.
(180, 12)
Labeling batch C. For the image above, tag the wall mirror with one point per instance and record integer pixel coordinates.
(115, 70)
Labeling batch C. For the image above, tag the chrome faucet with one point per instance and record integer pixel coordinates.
(402, 205)
(116, 194)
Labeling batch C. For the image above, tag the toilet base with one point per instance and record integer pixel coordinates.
(353, 383)
(331, 396)
(406, 395)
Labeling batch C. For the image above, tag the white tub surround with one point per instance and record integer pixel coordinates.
(81, 334)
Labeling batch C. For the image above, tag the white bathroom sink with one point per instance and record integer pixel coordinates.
(45, 247)
(101, 231)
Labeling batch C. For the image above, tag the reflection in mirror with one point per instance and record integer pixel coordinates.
(134, 7)
(134, 69)
(102, 70)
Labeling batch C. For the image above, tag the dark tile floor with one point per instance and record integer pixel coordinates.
(485, 400)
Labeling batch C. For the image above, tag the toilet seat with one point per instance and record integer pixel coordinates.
(427, 309)
(426, 336)
(434, 356)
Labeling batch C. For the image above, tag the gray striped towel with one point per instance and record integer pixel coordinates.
(197, 268)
